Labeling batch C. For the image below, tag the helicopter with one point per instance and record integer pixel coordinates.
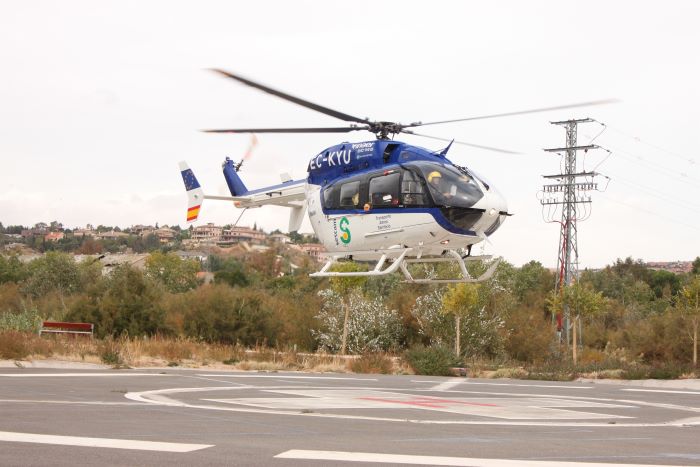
(381, 201)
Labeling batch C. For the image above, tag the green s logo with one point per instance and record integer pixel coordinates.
(343, 226)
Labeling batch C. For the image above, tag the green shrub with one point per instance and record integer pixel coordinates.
(552, 370)
(436, 360)
(372, 363)
(28, 320)
(663, 371)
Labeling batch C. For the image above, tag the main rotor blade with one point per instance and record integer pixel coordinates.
(342, 129)
(480, 146)
(520, 112)
(296, 100)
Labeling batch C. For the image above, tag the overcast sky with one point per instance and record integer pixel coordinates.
(100, 100)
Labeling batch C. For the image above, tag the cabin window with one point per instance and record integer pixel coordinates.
(350, 195)
(384, 190)
(412, 190)
(330, 197)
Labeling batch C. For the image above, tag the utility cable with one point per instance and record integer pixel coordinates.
(689, 160)
(651, 212)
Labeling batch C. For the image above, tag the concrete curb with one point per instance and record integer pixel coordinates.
(52, 364)
(693, 384)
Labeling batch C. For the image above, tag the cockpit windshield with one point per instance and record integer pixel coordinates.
(448, 185)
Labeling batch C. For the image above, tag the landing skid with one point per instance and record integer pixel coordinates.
(395, 259)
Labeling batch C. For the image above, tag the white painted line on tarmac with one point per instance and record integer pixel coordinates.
(158, 397)
(697, 393)
(47, 401)
(508, 384)
(447, 385)
(101, 442)
(75, 375)
(435, 460)
(290, 377)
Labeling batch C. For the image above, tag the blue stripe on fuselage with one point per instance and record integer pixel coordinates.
(275, 187)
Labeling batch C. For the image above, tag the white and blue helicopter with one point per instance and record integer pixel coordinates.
(382, 201)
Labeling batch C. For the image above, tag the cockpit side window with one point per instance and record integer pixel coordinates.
(413, 192)
(330, 197)
(384, 190)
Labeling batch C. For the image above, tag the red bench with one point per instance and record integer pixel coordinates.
(57, 327)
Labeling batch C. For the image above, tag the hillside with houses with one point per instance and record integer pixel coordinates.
(113, 245)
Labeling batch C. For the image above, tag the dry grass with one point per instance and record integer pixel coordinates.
(161, 351)
(372, 363)
(512, 373)
(604, 374)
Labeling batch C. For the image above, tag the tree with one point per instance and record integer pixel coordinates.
(461, 300)
(343, 285)
(126, 302)
(229, 271)
(53, 272)
(356, 324)
(150, 243)
(532, 280)
(696, 265)
(218, 313)
(433, 324)
(11, 269)
(177, 275)
(581, 301)
(689, 306)
(90, 246)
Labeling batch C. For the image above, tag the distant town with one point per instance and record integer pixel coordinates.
(196, 241)
(115, 245)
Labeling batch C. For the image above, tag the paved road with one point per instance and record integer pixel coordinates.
(187, 417)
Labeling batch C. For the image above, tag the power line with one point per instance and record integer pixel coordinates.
(689, 160)
(659, 194)
(679, 176)
(651, 212)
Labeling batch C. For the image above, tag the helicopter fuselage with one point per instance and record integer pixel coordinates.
(384, 194)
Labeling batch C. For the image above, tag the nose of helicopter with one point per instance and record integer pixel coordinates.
(497, 207)
(499, 202)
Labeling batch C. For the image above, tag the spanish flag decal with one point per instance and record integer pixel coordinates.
(192, 213)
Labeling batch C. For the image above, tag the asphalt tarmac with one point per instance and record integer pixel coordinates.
(199, 417)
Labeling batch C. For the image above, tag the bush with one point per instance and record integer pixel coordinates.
(27, 320)
(219, 313)
(663, 371)
(372, 326)
(435, 361)
(111, 352)
(372, 363)
(126, 302)
(530, 335)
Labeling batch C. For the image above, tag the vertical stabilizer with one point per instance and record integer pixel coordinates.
(234, 182)
(195, 194)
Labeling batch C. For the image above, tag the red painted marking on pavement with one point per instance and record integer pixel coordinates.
(394, 401)
(450, 401)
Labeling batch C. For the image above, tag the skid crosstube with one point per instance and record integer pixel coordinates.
(395, 259)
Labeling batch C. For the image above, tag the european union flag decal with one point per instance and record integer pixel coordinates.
(190, 180)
